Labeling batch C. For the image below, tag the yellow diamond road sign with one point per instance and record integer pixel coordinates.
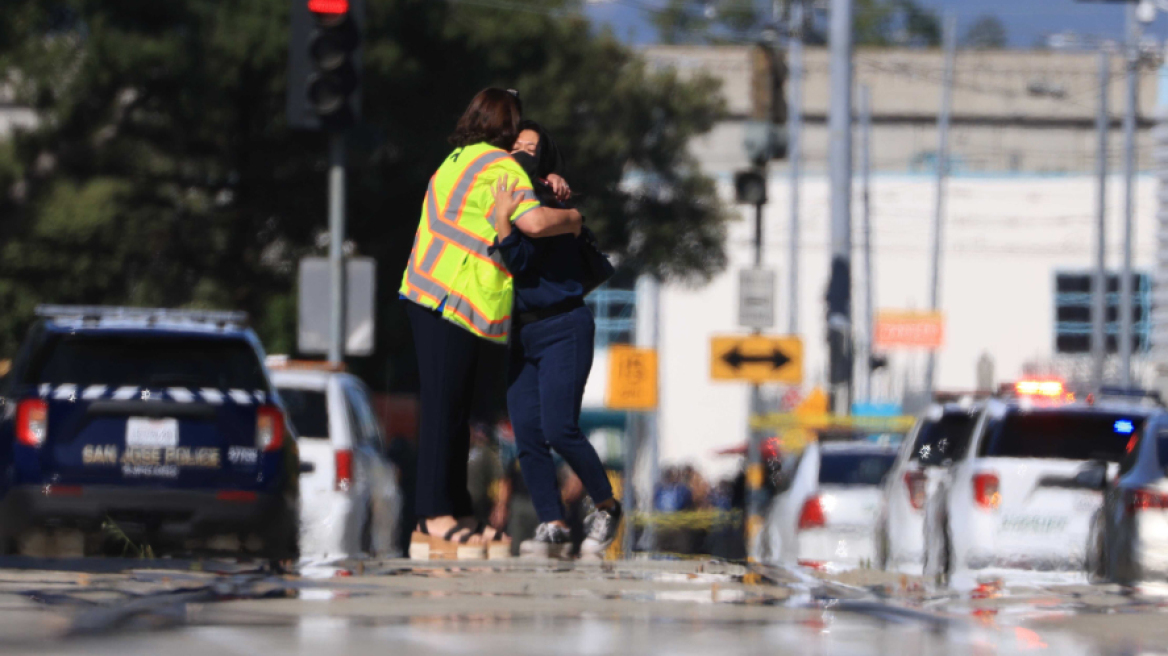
(756, 358)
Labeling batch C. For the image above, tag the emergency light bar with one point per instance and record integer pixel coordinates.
(1051, 388)
(113, 314)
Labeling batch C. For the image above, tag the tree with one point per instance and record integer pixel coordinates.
(986, 33)
(163, 171)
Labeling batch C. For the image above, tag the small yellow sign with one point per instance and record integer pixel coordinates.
(757, 358)
(632, 378)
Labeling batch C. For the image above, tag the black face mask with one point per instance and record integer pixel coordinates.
(548, 158)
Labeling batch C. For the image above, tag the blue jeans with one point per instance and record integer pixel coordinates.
(548, 367)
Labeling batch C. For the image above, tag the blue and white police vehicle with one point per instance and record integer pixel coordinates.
(157, 427)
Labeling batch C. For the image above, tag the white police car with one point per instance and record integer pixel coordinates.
(939, 438)
(350, 498)
(1005, 503)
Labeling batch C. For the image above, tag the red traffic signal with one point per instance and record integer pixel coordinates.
(328, 6)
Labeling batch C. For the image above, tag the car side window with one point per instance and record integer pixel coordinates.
(365, 422)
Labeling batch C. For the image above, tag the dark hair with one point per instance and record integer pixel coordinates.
(492, 117)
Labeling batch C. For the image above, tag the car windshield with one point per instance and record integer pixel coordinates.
(1064, 435)
(854, 468)
(148, 361)
(308, 410)
(943, 439)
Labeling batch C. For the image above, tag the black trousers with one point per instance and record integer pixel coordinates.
(448, 359)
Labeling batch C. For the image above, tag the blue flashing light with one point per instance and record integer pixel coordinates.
(1124, 427)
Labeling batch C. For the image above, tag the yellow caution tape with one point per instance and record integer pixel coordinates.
(781, 421)
(689, 519)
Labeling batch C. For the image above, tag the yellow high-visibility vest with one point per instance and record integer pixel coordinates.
(452, 260)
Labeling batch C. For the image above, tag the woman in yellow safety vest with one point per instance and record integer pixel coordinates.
(460, 297)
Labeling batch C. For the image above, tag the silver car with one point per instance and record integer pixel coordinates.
(1128, 540)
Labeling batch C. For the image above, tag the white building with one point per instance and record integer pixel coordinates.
(1021, 206)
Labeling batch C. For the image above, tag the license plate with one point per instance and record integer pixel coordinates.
(154, 433)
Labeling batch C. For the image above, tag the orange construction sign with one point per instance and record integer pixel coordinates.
(897, 329)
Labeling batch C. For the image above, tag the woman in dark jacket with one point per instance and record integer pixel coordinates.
(550, 357)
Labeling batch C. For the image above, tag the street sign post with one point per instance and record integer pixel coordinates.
(756, 298)
(632, 378)
(897, 329)
(757, 358)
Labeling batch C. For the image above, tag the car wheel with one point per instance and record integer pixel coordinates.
(367, 532)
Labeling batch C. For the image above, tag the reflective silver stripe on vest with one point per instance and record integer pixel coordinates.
(432, 252)
(460, 306)
(424, 284)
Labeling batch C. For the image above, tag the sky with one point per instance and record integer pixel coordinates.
(1026, 20)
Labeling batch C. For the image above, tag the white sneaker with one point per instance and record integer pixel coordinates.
(600, 528)
(550, 541)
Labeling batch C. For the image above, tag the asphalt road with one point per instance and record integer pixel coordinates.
(127, 607)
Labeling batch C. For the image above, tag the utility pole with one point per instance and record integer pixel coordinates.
(336, 352)
(865, 100)
(794, 157)
(1099, 285)
(1132, 51)
(839, 302)
(950, 38)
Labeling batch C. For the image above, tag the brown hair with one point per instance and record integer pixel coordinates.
(492, 116)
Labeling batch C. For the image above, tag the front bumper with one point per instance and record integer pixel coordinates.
(161, 513)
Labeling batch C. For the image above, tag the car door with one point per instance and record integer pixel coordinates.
(378, 482)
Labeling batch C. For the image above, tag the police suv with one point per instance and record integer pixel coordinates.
(144, 427)
(1006, 503)
(937, 440)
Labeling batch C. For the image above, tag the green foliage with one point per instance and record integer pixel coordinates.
(986, 33)
(163, 171)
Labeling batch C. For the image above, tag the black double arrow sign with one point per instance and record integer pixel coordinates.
(735, 358)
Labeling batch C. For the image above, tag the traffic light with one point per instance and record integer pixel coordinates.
(750, 187)
(324, 64)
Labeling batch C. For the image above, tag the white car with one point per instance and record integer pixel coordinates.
(937, 439)
(826, 517)
(1005, 503)
(1129, 534)
(350, 498)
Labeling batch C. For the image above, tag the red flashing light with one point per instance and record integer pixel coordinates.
(328, 6)
(242, 496)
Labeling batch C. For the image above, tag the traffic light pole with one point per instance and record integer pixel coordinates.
(950, 31)
(839, 320)
(755, 502)
(336, 205)
(1099, 283)
(1132, 53)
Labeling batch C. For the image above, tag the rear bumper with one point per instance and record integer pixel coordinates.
(173, 514)
(852, 546)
